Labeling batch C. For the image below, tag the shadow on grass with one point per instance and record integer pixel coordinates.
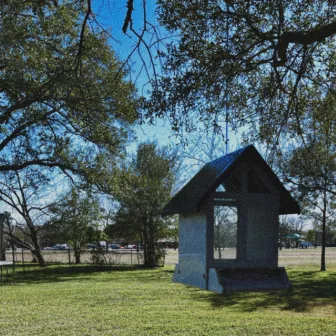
(310, 290)
(34, 274)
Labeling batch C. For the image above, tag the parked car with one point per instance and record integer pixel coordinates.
(131, 247)
(115, 246)
(61, 247)
(305, 244)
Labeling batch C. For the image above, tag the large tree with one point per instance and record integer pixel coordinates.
(262, 60)
(76, 217)
(311, 167)
(144, 187)
(27, 194)
(64, 101)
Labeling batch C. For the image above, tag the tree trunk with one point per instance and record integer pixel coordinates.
(149, 248)
(77, 256)
(36, 251)
(218, 242)
(10, 229)
(2, 238)
(145, 242)
(3, 255)
(37, 254)
(151, 243)
(324, 219)
(150, 255)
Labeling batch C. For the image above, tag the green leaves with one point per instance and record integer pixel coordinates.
(77, 218)
(260, 59)
(64, 100)
(143, 188)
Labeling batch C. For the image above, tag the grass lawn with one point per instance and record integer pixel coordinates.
(80, 300)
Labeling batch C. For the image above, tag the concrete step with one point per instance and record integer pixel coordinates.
(250, 279)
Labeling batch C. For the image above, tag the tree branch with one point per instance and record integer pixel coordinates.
(128, 17)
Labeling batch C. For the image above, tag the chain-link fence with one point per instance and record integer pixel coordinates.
(111, 257)
(114, 257)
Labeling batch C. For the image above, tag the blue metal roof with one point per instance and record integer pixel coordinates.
(192, 196)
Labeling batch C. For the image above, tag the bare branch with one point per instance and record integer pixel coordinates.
(128, 18)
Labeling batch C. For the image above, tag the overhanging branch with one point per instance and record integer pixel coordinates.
(305, 38)
(128, 17)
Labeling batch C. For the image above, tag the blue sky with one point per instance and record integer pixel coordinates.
(111, 15)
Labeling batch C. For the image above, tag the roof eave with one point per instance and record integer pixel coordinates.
(178, 211)
(292, 209)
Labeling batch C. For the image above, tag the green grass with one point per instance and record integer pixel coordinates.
(62, 300)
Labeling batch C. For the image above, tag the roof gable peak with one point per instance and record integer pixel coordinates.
(226, 169)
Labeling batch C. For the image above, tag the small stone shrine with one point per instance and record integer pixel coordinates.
(228, 225)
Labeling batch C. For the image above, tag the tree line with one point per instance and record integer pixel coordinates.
(141, 187)
(66, 112)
